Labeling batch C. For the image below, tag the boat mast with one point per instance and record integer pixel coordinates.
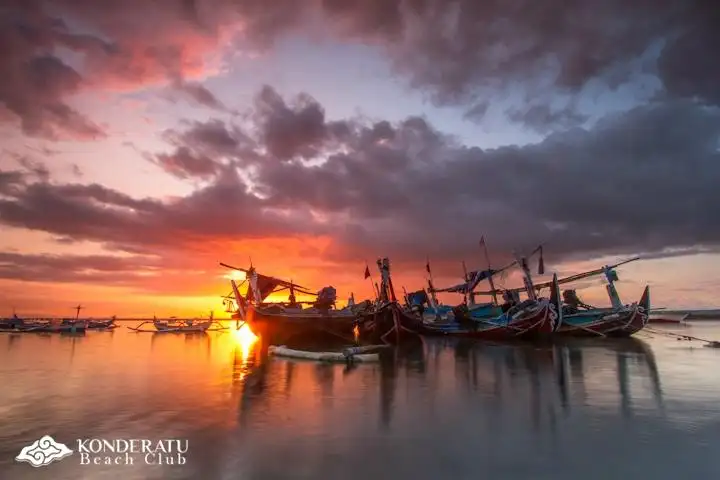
(611, 276)
(238, 299)
(469, 295)
(387, 292)
(527, 279)
(431, 286)
(490, 274)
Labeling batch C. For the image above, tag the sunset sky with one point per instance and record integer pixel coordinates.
(145, 141)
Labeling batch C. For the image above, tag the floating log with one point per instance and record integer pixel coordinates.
(330, 357)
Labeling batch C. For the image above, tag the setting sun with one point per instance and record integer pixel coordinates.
(244, 337)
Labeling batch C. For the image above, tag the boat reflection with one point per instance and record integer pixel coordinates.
(541, 383)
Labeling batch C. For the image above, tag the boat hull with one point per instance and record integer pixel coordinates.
(622, 323)
(536, 321)
(389, 324)
(279, 328)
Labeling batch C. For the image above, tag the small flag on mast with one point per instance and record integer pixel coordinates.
(367, 272)
(482, 240)
(541, 263)
(427, 265)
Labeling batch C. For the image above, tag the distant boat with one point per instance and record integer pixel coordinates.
(21, 325)
(101, 324)
(174, 325)
(668, 317)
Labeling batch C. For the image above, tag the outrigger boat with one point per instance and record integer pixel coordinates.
(108, 324)
(278, 322)
(580, 319)
(179, 326)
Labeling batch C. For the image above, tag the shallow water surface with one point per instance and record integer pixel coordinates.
(647, 408)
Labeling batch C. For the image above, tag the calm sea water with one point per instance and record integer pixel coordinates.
(646, 408)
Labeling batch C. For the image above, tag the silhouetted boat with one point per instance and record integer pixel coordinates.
(279, 322)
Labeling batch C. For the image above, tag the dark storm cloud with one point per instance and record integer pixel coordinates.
(290, 130)
(204, 150)
(223, 209)
(641, 181)
(459, 50)
(465, 50)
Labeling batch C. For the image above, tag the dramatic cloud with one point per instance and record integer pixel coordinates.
(643, 181)
(462, 51)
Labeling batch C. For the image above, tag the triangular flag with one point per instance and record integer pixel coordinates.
(367, 272)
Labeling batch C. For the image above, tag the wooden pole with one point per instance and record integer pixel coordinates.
(490, 277)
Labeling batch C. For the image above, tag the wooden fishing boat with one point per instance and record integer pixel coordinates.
(580, 319)
(280, 322)
(621, 322)
(532, 318)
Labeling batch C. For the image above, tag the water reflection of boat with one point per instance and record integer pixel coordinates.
(567, 366)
